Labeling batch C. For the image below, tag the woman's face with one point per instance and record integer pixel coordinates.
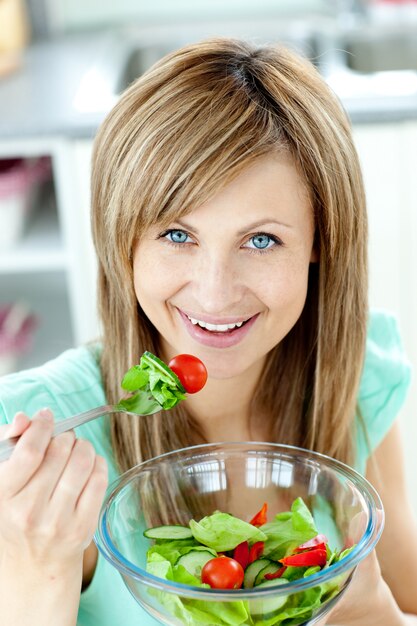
(228, 281)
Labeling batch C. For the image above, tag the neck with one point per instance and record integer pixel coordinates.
(223, 407)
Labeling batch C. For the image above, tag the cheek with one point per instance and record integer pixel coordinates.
(285, 286)
(154, 282)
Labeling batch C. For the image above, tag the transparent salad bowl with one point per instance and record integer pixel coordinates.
(238, 478)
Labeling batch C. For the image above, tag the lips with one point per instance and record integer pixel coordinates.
(217, 333)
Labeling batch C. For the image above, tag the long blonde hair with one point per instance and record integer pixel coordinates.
(177, 135)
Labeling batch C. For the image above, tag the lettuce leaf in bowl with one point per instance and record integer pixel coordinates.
(290, 548)
(223, 532)
(191, 611)
(288, 530)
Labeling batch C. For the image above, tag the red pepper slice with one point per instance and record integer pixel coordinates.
(256, 551)
(241, 554)
(276, 574)
(260, 518)
(318, 540)
(317, 556)
(319, 546)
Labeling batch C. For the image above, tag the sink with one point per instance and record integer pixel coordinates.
(365, 49)
(378, 50)
(296, 36)
(372, 70)
(142, 58)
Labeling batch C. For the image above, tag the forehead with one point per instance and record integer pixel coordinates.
(269, 186)
(272, 187)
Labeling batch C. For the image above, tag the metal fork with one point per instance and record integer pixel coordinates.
(8, 445)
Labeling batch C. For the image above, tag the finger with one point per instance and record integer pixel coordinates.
(28, 453)
(369, 568)
(91, 499)
(46, 478)
(16, 428)
(74, 477)
(366, 576)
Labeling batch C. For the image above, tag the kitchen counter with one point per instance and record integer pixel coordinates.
(63, 87)
(66, 86)
(376, 98)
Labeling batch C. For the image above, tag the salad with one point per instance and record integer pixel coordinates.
(155, 385)
(222, 551)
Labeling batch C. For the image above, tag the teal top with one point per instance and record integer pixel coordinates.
(72, 383)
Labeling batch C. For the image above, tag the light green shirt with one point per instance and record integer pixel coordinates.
(72, 383)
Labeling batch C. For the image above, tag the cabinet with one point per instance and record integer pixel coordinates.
(52, 268)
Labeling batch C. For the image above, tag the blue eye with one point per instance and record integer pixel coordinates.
(177, 236)
(262, 241)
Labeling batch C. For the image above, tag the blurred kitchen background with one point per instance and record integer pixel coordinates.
(63, 64)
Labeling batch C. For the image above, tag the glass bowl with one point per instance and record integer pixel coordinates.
(238, 478)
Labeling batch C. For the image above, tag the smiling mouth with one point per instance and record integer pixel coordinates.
(217, 328)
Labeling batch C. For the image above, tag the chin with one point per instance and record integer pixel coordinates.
(216, 373)
(220, 367)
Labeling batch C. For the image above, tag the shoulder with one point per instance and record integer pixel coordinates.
(386, 364)
(385, 377)
(67, 384)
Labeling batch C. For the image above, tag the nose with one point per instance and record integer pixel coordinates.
(218, 284)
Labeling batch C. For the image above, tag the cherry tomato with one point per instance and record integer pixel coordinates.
(223, 572)
(190, 370)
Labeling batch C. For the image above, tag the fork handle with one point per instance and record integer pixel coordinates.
(8, 445)
(72, 422)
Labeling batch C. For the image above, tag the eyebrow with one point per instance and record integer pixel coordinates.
(251, 226)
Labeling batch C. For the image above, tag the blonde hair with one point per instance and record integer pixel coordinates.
(178, 134)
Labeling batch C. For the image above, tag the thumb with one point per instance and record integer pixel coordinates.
(16, 428)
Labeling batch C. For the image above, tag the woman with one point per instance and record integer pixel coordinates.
(229, 222)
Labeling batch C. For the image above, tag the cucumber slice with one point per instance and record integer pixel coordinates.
(195, 560)
(163, 367)
(253, 570)
(266, 607)
(271, 568)
(168, 532)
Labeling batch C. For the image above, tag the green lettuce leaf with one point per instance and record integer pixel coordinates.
(136, 378)
(172, 550)
(190, 611)
(208, 612)
(289, 530)
(141, 403)
(223, 532)
(154, 386)
(341, 555)
(300, 606)
(218, 613)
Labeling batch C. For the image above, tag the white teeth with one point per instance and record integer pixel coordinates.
(218, 328)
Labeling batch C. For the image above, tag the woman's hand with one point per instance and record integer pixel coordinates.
(51, 490)
(367, 600)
